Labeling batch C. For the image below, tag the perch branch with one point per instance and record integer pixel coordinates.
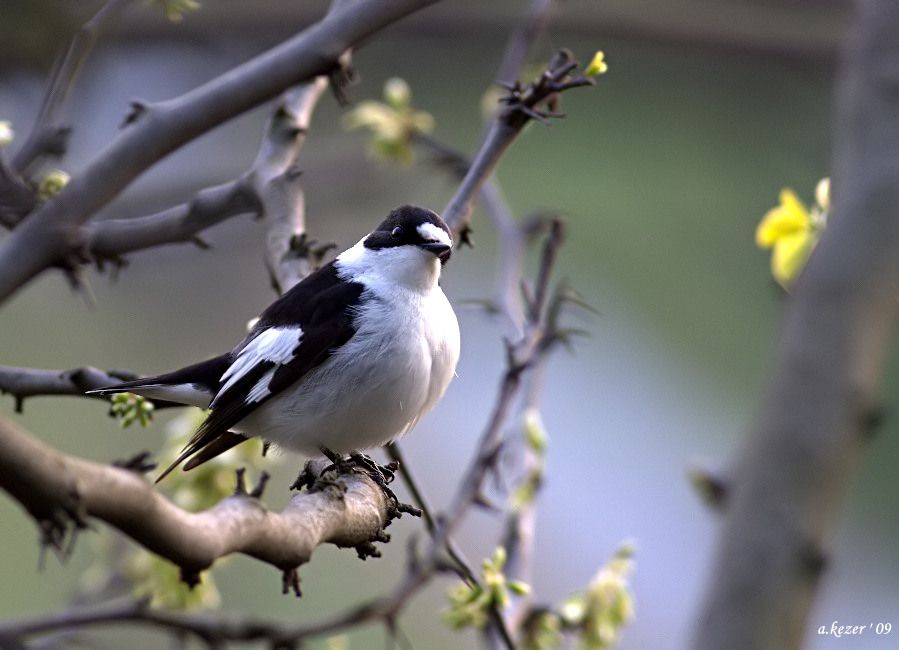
(823, 399)
(62, 491)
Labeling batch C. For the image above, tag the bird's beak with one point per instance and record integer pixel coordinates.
(442, 251)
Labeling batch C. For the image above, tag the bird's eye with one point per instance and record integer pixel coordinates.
(396, 233)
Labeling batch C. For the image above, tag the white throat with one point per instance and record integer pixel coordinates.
(409, 267)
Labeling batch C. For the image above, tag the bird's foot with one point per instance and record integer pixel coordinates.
(382, 475)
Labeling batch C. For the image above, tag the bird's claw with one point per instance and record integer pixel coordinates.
(382, 475)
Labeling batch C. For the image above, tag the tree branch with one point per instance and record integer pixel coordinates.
(52, 234)
(523, 104)
(269, 188)
(276, 179)
(823, 400)
(61, 491)
(113, 238)
(22, 383)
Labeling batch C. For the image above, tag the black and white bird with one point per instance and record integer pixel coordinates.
(348, 359)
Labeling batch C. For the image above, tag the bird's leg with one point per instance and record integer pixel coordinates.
(382, 475)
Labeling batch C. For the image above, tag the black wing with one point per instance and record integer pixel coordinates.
(318, 312)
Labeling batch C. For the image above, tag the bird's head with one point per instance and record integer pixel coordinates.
(409, 247)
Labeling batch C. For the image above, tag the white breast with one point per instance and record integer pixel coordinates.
(375, 387)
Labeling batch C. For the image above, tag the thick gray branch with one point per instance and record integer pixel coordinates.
(52, 233)
(824, 396)
(55, 487)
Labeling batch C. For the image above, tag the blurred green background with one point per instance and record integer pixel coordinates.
(662, 170)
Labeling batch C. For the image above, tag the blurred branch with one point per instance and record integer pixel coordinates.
(512, 238)
(22, 383)
(17, 197)
(823, 399)
(463, 567)
(48, 135)
(61, 492)
(523, 39)
(52, 235)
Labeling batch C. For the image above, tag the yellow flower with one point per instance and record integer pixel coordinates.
(792, 231)
(597, 65)
(789, 218)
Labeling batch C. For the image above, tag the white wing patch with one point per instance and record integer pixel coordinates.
(276, 344)
(430, 232)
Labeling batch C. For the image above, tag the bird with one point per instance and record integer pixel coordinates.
(348, 359)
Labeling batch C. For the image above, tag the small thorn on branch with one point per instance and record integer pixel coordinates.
(290, 581)
(340, 78)
(366, 550)
(137, 109)
(713, 488)
(305, 479)
(200, 243)
(407, 509)
(140, 463)
(813, 560)
(240, 487)
(257, 491)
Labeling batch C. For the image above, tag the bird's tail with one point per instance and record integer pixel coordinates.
(194, 385)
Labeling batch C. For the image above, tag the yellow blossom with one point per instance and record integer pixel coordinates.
(597, 65)
(791, 217)
(792, 230)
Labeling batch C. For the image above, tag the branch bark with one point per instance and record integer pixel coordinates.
(523, 104)
(22, 383)
(52, 234)
(113, 238)
(60, 491)
(823, 400)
